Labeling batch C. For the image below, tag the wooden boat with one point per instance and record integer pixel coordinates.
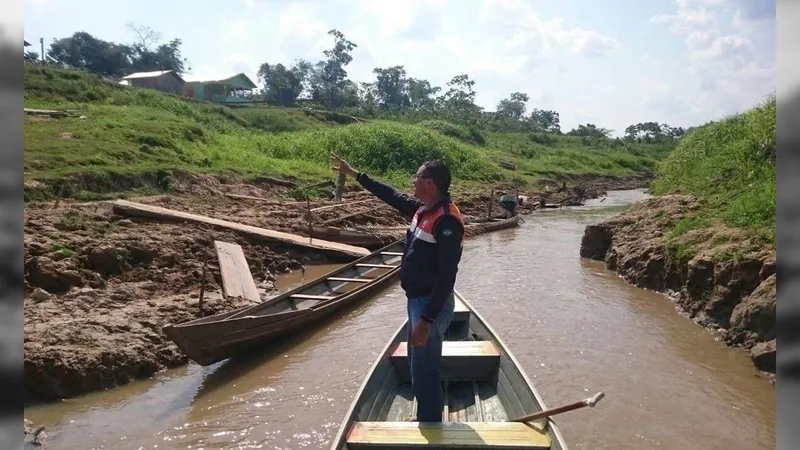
(361, 237)
(211, 339)
(485, 390)
(380, 236)
(482, 226)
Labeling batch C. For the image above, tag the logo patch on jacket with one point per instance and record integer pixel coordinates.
(447, 232)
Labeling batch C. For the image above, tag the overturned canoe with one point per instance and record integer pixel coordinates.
(485, 390)
(211, 339)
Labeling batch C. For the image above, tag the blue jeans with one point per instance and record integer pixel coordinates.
(426, 360)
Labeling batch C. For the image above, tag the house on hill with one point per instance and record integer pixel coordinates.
(162, 80)
(236, 89)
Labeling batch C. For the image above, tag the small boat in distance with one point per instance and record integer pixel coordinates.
(211, 339)
(485, 391)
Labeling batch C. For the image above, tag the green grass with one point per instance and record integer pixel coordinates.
(128, 131)
(730, 166)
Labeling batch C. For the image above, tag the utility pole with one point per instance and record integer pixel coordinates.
(41, 41)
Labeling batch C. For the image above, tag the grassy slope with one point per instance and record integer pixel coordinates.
(730, 166)
(140, 131)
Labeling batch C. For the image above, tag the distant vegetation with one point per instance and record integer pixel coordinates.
(730, 166)
(387, 126)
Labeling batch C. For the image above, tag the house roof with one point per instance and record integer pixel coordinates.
(153, 74)
(239, 80)
(26, 43)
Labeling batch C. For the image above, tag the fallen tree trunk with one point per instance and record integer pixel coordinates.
(132, 209)
(275, 181)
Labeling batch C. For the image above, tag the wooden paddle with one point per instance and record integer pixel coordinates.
(590, 402)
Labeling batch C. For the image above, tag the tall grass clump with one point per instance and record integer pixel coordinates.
(470, 135)
(730, 166)
(394, 149)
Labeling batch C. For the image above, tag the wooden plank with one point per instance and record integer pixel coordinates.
(391, 253)
(461, 361)
(237, 281)
(456, 349)
(376, 266)
(478, 435)
(460, 313)
(312, 297)
(350, 280)
(127, 208)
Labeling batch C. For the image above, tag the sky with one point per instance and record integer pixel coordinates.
(611, 62)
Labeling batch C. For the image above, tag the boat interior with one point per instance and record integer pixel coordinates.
(484, 391)
(316, 292)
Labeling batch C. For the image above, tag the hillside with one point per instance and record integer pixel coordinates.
(708, 237)
(122, 137)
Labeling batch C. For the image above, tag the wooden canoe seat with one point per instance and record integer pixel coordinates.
(477, 435)
(391, 254)
(350, 280)
(460, 313)
(461, 360)
(312, 297)
(376, 266)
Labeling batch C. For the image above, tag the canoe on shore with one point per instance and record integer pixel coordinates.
(214, 338)
(485, 390)
(377, 237)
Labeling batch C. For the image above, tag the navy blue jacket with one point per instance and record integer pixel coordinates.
(430, 258)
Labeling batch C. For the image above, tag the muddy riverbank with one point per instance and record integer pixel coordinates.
(99, 286)
(728, 284)
(574, 326)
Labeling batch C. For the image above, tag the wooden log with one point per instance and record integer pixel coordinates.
(133, 209)
(275, 181)
(326, 207)
(259, 199)
(508, 165)
(350, 216)
(319, 185)
(237, 281)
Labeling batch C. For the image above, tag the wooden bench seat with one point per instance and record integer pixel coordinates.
(350, 280)
(311, 297)
(461, 360)
(460, 313)
(475, 435)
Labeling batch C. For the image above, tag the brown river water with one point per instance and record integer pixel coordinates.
(575, 327)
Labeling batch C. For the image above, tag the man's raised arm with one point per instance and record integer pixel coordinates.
(400, 201)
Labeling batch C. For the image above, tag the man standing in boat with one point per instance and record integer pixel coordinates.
(431, 254)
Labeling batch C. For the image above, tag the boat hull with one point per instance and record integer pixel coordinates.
(214, 338)
(480, 399)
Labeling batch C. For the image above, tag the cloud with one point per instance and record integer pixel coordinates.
(733, 65)
(544, 37)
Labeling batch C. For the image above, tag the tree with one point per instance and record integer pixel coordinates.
(283, 86)
(328, 78)
(148, 55)
(84, 51)
(458, 103)
(391, 87)
(545, 120)
(514, 106)
(421, 93)
(590, 130)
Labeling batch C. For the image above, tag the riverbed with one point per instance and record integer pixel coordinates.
(575, 327)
